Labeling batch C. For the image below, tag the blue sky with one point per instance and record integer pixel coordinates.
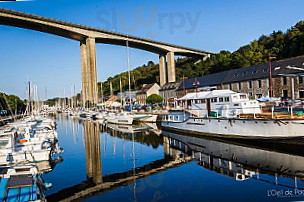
(54, 62)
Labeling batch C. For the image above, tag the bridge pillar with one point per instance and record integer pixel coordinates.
(171, 67)
(88, 71)
(162, 70)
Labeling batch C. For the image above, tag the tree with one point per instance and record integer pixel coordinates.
(154, 98)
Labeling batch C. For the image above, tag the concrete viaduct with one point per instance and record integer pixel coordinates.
(88, 37)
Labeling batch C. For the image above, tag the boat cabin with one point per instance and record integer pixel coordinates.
(219, 103)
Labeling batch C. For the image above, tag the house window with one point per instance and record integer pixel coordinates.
(285, 93)
(260, 83)
(301, 93)
(240, 85)
(284, 80)
(300, 80)
(250, 84)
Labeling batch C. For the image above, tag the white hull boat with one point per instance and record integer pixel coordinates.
(218, 114)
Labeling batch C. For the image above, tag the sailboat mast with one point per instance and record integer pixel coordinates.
(129, 74)
(101, 94)
(120, 91)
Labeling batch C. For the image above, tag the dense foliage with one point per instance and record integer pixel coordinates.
(11, 103)
(279, 44)
(153, 99)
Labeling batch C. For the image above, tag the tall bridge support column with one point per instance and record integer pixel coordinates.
(162, 70)
(88, 71)
(171, 67)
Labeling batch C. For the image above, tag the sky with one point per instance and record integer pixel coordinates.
(53, 62)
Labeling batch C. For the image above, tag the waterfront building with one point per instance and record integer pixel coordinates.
(169, 91)
(287, 80)
(147, 90)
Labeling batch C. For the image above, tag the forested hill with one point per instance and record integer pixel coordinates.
(280, 44)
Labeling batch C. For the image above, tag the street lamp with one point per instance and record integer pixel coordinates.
(292, 76)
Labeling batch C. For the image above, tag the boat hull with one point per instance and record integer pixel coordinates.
(239, 128)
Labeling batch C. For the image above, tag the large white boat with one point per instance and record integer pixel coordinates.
(219, 113)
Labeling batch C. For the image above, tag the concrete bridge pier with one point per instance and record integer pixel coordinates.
(166, 68)
(88, 71)
(162, 70)
(171, 67)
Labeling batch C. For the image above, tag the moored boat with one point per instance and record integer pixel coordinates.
(220, 113)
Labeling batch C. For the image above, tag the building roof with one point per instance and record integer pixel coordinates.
(208, 80)
(261, 71)
(170, 86)
(294, 65)
(145, 88)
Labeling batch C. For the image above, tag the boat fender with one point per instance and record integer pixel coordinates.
(46, 144)
(22, 141)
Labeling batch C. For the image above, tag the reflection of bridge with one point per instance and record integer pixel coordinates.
(88, 36)
(97, 184)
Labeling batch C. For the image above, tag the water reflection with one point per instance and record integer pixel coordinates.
(92, 151)
(236, 161)
(241, 162)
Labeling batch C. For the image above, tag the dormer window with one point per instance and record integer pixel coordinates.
(254, 71)
(235, 75)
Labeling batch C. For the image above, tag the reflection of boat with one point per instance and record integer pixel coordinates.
(154, 128)
(219, 113)
(237, 161)
(127, 128)
(21, 183)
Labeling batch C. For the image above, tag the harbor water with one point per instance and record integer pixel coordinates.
(104, 162)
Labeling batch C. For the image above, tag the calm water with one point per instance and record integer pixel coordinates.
(102, 164)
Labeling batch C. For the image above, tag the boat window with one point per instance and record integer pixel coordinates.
(243, 96)
(221, 99)
(213, 100)
(226, 99)
(203, 101)
(235, 97)
(236, 105)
